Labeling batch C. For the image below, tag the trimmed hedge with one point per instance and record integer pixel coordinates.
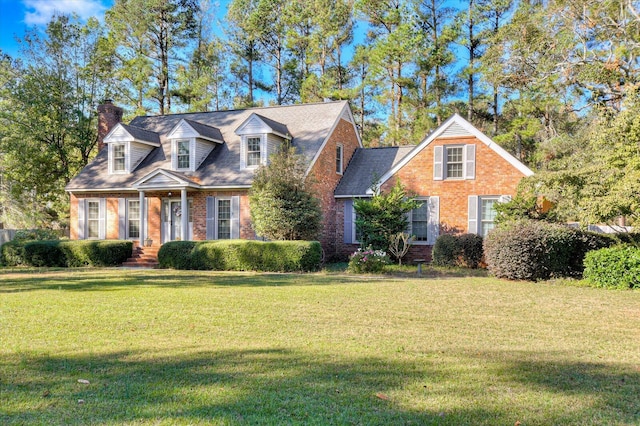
(458, 250)
(66, 253)
(535, 250)
(242, 255)
(613, 267)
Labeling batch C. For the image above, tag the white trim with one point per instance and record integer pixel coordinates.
(127, 190)
(341, 147)
(109, 139)
(179, 182)
(192, 134)
(244, 160)
(174, 154)
(112, 159)
(333, 128)
(457, 119)
(265, 127)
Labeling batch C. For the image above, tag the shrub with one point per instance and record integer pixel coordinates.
(458, 250)
(66, 253)
(614, 267)
(368, 260)
(445, 251)
(36, 235)
(534, 250)
(242, 255)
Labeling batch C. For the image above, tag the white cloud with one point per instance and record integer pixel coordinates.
(39, 12)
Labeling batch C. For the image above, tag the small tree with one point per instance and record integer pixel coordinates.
(384, 215)
(283, 206)
(399, 245)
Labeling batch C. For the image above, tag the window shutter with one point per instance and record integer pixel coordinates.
(473, 214)
(437, 162)
(243, 152)
(102, 215)
(433, 220)
(235, 217)
(348, 221)
(211, 218)
(122, 219)
(81, 218)
(469, 161)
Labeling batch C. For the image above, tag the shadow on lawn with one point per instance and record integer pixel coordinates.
(121, 279)
(273, 386)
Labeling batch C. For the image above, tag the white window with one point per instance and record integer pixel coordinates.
(93, 219)
(339, 158)
(224, 219)
(133, 219)
(118, 158)
(487, 214)
(253, 151)
(454, 162)
(183, 149)
(356, 233)
(419, 222)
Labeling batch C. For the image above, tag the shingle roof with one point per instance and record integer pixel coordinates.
(310, 123)
(275, 126)
(207, 131)
(142, 134)
(366, 167)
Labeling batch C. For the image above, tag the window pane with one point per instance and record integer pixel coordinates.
(338, 159)
(487, 215)
(224, 219)
(134, 219)
(93, 208)
(253, 151)
(419, 218)
(118, 157)
(93, 228)
(454, 162)
(183, 154)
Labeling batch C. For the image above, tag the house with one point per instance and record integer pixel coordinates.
(457, 171)
(187, 176)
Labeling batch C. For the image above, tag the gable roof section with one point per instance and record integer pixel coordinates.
(256, 123)
(193, 129)
(366, 167)
(457, 126)
(127, 133)
(310, 124)
(164, 179)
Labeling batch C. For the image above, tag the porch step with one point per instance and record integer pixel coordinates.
(143, 257)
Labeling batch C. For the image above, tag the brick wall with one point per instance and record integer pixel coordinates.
(326, 179)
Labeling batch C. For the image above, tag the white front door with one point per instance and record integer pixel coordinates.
(173, 220)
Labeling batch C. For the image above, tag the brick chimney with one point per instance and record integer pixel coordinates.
(108, 116)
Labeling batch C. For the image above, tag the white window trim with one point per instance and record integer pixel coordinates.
(445, 162)
(497, 199)
(245, 144)
(127, 221)
(341, 158)
(174, 154)
(87, 220)
(354, 240)
(112, 159)
(217, 217)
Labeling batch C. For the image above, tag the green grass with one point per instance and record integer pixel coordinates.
(170, 347)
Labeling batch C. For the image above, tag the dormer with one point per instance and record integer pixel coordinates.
(128, 146)
(191, 143)
(260, 137)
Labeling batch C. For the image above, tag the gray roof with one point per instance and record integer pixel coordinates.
(142, 134)
(206, 131)
(275, 126)
(310, 123)
(367, 165)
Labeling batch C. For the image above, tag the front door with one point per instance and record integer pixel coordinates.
(172, 220)
(176, 220)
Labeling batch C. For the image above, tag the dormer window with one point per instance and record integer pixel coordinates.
(119, 158)
(184, 149)
(253, 151)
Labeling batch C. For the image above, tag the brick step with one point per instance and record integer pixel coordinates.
(129, 264)
(143, 257)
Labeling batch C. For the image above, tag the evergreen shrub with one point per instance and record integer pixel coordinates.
(614, 267)
(242, 255)
(458, 250)
(66, 253)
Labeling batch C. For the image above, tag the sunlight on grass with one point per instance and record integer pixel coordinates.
(174, 347)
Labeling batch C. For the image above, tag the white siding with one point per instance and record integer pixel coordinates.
(182, 131)
(455, 130)
(118, 134)
(138, 152)
(273, 144)
(160, 179)
(254, 126)
(203, 149)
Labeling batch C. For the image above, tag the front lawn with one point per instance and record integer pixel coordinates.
(173, 347)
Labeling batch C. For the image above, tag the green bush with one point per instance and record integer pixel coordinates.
(242, 255)
(613, 267)
(66, 253)
(535, 250)
(36, 235)
(458, 250)
(445, 251)
(368, 261)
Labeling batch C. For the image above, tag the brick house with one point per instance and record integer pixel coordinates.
(457, 171)
(187, 176)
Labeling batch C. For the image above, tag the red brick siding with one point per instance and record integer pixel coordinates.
(326, 179)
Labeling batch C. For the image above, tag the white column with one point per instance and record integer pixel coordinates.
(142, 216)
(185, 214)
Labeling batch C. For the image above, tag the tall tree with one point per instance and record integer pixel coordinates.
(48, 129)
(148, 42)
